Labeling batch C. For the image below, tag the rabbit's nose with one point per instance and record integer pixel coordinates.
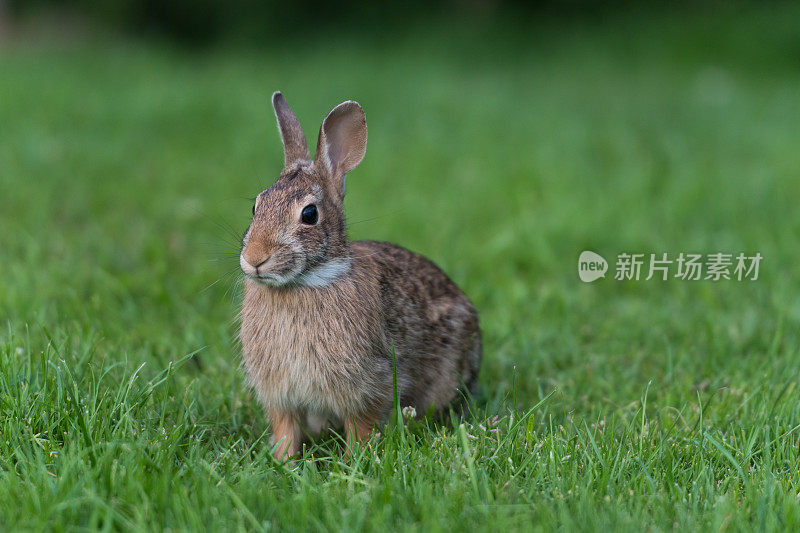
(256, 254)
(262, 263)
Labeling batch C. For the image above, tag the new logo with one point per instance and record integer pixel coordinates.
(591, 266)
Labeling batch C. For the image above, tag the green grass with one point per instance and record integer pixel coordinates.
(125, 173)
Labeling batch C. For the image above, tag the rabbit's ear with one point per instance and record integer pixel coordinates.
(295, 147)
(342, 142)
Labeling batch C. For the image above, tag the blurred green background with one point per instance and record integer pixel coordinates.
(503, 141)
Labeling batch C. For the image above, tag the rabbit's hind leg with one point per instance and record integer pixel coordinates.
(358, 429)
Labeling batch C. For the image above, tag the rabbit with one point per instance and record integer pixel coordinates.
(322, 317)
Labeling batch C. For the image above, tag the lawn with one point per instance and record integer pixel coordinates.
(127, 169)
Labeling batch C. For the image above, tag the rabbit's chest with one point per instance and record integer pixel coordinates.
(307, 358)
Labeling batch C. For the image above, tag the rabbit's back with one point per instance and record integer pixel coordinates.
(429, 321)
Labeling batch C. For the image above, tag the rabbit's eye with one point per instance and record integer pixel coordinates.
(254, 209)
(309, 215)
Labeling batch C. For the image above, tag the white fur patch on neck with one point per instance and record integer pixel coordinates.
(325, 274)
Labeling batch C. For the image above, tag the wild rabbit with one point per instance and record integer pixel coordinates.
(322, 316)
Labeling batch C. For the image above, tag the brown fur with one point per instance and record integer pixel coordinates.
(321, 317)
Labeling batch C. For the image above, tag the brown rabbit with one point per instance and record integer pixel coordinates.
(322, 316)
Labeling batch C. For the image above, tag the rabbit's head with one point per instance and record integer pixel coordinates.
(298, 235)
